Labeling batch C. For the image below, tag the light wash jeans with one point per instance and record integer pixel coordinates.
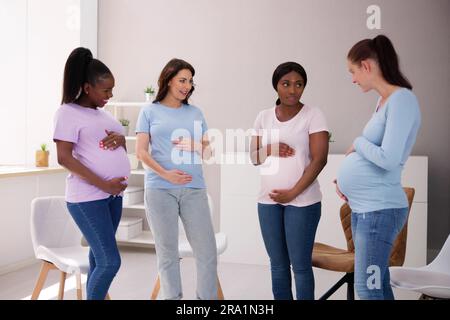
(163, 208)
(98, 221)
(374, 234)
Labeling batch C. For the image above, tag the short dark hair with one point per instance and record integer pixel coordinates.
(81, 68)
(284, 69)
(168, 72)
(381, 50)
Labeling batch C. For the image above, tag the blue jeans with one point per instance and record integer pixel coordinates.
(288, 234)
(98, 221)
(374, 234)
(164, 208)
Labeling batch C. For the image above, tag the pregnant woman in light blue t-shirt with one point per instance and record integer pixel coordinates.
(370, 176)
(175, 131)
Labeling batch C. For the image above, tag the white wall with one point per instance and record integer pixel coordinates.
(38, 36)
(13, 30)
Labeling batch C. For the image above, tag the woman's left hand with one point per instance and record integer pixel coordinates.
(186, 144)
(112, 141)
(282, 196)
(350, 150)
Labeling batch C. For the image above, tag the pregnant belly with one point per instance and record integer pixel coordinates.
(356, 175)
(281, 173)
(109, 164)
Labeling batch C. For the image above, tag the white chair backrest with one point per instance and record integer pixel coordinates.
(181, 230)
(442, 262)
(52, 225)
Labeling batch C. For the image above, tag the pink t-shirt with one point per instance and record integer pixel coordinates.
(284, 173)
(85, 128)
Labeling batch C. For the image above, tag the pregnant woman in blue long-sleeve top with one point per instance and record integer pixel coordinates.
(370, 176)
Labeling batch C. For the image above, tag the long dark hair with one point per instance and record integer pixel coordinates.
(381, 50)
(81, 68)
(284, 69)
(168, 72)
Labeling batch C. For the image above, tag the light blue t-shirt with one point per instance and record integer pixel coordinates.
(165, 124)
(371, 177)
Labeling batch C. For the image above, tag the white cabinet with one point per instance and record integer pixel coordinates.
(130, 111)
(239, 217)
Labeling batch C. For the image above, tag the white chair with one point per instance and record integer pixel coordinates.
(185, 251)
(432, 280)
(57, 242)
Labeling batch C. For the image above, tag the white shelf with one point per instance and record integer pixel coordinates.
(144, 238)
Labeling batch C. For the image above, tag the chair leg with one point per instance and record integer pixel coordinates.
(347, 278)
(156, 288)
(46, 266)
(219, 290)
(79, 289)
(351, 286)
(62, 282)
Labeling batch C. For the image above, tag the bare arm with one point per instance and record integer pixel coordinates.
(206, 148)
(318, 148)
(259, 153)
(203, 147)
(66, 159)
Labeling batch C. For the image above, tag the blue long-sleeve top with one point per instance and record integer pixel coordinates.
(371, 177)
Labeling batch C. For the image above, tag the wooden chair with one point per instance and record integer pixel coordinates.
(342, 260)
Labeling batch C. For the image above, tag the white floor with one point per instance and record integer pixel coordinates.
(137, 275)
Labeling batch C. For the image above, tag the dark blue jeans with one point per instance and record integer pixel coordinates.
(98, 221)
(288, 234)
(374, 234)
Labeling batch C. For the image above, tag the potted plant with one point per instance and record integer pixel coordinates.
(330, 135)
(125, 124)
(42, 156)
(149, 92)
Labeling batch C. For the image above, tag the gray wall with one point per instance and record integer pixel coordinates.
(235, 46)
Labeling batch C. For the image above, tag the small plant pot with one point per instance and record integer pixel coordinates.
(148, 96)
(42, 158)
(126, 130)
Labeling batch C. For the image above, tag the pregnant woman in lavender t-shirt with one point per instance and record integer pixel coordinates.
(91, 145)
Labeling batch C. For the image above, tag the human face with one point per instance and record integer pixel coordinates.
(360, 74)
(181, 84)
(99, 94)
(290, 88)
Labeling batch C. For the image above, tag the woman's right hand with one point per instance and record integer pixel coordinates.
(281, 150)
(176, 176)
(339, 193)
(114, 186)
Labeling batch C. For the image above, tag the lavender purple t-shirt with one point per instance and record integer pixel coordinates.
(85, 128)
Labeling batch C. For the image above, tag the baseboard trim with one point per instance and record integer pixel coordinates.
(18, 265)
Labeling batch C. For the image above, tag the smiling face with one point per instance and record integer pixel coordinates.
(99, 94)
(180, 85)
(290, 88)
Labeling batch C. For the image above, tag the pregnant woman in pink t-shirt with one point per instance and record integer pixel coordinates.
(291, 147)
(91, 145)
